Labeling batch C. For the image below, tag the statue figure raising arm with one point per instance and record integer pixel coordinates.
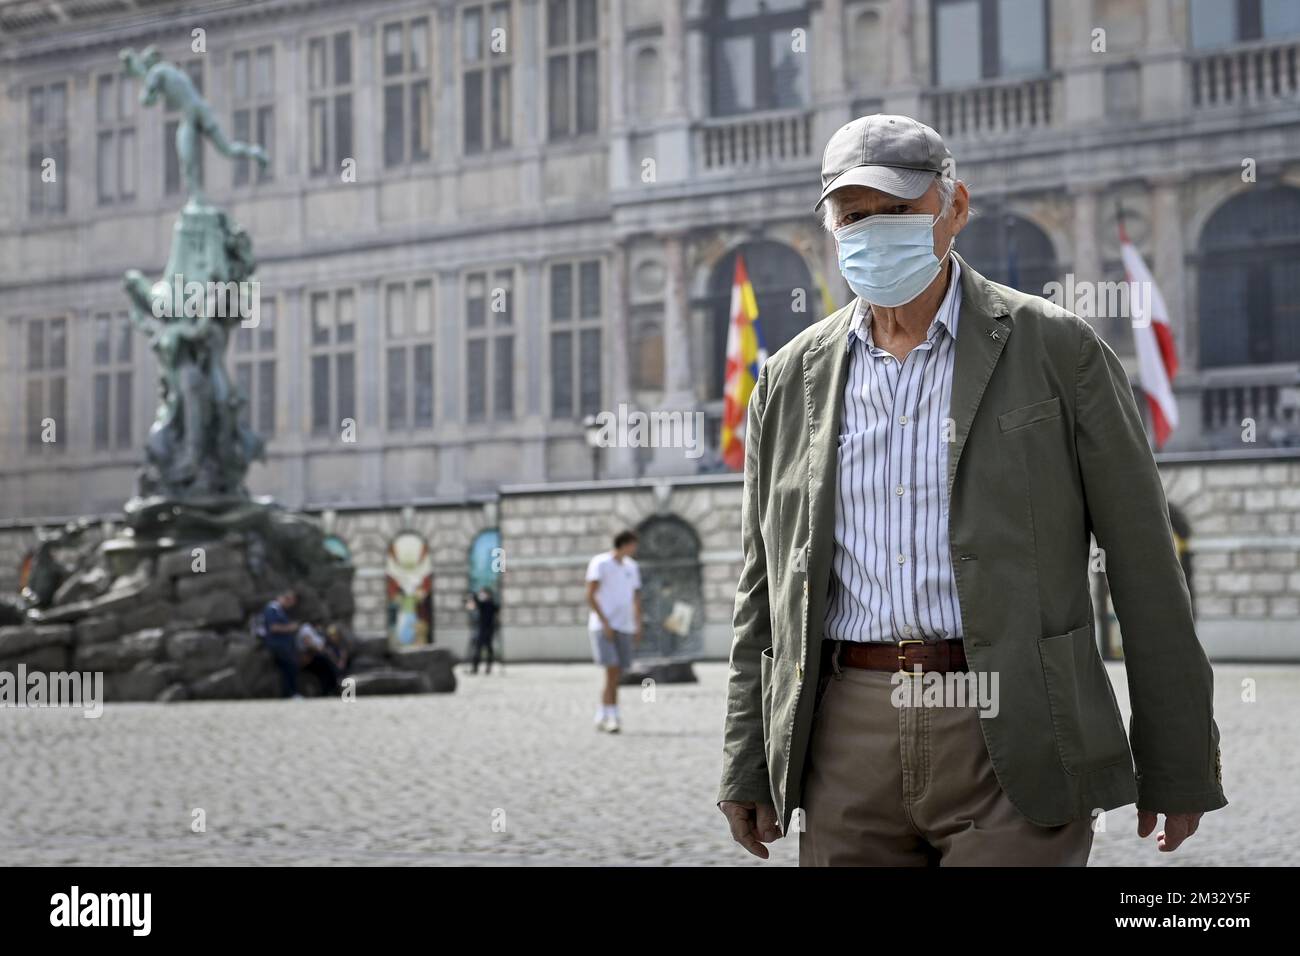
(175, 87)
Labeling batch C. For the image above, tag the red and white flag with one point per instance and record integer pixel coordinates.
(1153, 339)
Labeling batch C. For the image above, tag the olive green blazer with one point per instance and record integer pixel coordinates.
(1047, 446)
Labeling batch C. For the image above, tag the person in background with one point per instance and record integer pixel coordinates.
(614, 596)
(337, 648)
(316, 657)
(485, 608)
(279, 631)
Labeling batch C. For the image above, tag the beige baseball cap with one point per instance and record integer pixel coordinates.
(895, 154)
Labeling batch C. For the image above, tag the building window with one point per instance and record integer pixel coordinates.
(486, 56)
(115, 158)
(254, 350)
(408, 330)
(47, 143)
(1249, 283)
(112, 381)
(47, 382)
(490, 345)
(252, 96)
(755, 64)
(575, 339)
(978, 40)
(408, 100)
(1224, 22)
(572, 80)
(329, 105)
(171, 122)
(333, 360)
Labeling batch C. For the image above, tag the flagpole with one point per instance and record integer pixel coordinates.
(1147, 424)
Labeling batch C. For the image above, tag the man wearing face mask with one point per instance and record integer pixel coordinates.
(923, 470)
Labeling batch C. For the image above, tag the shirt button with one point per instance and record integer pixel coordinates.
(902, 419)
(901, 559)
(907, 629)
(898, 490)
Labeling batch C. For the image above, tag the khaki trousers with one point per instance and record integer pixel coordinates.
(913, 786)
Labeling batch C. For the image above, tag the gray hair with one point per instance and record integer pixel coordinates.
(947, 190)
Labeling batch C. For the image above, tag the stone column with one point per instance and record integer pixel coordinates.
(1169, 267)
(367, 127)
(291, 112)
(446, 143)
(531, 322)
(13, 426)
(900, 29)
(1083, 85)
(1087, 263)
(370, 380)
(616, 70)
(529, 98)
(1165, 77)
(674, 60)
(827, 69)
(219, 172)
(825, 56)
(449, 361)
(619, 462)
(619, 135)
(678, 393)
(293, 389)
(79, 169)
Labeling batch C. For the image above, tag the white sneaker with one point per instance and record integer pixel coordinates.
(612, 725)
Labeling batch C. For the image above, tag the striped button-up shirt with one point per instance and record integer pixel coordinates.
(892, 570)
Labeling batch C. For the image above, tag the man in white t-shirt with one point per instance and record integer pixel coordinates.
(614, 596)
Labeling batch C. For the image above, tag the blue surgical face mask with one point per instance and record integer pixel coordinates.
(889, 260)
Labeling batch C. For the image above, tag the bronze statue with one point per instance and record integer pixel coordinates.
(177, 90)
(197, 446)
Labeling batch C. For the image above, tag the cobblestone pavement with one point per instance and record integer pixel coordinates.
(420, 780)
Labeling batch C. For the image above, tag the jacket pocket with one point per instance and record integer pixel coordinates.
(1028, 414)
(1085, 718)
(767, 661)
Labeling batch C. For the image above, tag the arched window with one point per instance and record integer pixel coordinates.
(1249, 280)
(408, 568)
(754, 65)
(672, 587)
(781, 282)
(1009, 249)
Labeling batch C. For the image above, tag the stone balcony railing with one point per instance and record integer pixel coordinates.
(995, 108)
(1246, 75)
(1270, 401)
(754, 140)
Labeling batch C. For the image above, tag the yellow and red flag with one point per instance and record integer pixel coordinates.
(745, 356)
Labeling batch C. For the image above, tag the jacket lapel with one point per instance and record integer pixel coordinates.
(825, 370)
(980, 340)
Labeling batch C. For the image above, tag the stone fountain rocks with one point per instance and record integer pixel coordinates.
(164, 607)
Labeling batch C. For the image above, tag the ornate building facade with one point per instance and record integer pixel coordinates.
(486, 220)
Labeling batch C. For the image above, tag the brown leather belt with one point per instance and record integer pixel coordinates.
(903, 655)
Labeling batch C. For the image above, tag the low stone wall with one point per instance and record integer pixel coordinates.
(1245, 545)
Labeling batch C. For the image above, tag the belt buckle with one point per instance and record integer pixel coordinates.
(902, 658)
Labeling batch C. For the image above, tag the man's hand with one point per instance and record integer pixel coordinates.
(752, 825)
(607, 631)
(636, 638)
(1178, 827)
